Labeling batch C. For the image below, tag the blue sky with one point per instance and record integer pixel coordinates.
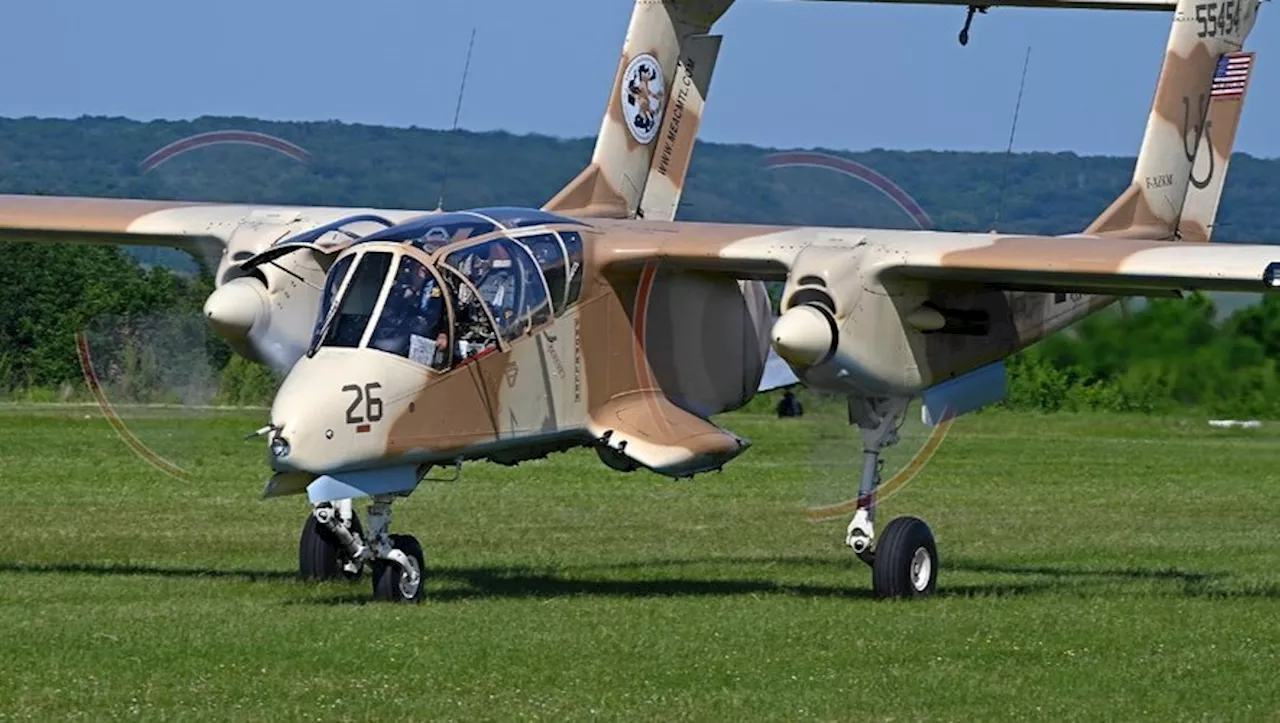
(790, 74)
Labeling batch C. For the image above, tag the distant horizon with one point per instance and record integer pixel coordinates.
(584, 138)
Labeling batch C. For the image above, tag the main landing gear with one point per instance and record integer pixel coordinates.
(904, 561)
(333, 545)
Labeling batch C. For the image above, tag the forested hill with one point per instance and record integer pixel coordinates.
(1046, 193)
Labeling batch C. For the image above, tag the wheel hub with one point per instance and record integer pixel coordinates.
(921, 569)
(410, 579)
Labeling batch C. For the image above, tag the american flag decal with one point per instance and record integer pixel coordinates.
(1232, 75)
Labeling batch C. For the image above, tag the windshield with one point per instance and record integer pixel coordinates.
(414, 322)
(347, 326)
(337, 274)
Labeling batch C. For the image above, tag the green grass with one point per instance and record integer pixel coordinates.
(1094, 567)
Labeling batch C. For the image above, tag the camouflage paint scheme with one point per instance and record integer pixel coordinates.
(672, 324)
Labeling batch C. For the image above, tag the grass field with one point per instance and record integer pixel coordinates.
(1094, 567)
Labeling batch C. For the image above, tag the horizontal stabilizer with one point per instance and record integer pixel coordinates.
(1165, 5)
(644, 429)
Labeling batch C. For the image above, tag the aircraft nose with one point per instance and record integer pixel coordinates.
(236, 306)
(322, 423)
(291, 445)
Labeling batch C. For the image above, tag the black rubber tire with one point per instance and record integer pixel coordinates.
(386, 574)
(320, 553)
(891, 575)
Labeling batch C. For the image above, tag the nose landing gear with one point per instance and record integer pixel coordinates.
(333, 545)
(324, 548)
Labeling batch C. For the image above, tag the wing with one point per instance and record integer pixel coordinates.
(1078, 263)
(204, 230)
(1085, 264)
(192, 227)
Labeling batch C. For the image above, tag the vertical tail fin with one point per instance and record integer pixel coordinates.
(653, 113)
(1203, 32)
(1209, 174)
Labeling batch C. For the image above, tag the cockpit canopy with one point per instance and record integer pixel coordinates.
(435, 230)
(422, 291)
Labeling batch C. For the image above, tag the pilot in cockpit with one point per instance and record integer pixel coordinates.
(498, 284)
(413, 322)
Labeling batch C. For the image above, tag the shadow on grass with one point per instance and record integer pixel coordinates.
(598, 580)
(129, 570)
(496, 583)
(846, 562)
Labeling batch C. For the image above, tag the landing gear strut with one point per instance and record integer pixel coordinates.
(333, 543)
(325, 541)
(968, 21)
(904, 562)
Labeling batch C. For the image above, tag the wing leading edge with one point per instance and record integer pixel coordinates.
(191, 227)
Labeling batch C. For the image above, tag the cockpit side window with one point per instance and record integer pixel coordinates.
(347, 326)
(509, 282)
(414, 321)
(474, 333)
(549, 254)
(573, 252)
(337, 274)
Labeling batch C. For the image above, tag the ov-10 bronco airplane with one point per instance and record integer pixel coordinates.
(505, 334)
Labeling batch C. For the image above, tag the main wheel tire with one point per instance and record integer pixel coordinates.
(321, 555)
(389, 580)
(906, 560)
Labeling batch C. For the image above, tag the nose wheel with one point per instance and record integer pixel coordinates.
(322, 552)
(334, 545)
(400, 580)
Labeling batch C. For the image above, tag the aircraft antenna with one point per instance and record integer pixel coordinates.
(1008, 154)
(457, 112)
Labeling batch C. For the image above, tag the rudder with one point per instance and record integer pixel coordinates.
(1202, 33)
(1209, 174)
(652, 115)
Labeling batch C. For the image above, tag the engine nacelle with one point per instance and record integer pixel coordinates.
(840, 331)
(267, 314)
(266, 317)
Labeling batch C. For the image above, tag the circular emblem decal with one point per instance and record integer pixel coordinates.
(642, 97)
